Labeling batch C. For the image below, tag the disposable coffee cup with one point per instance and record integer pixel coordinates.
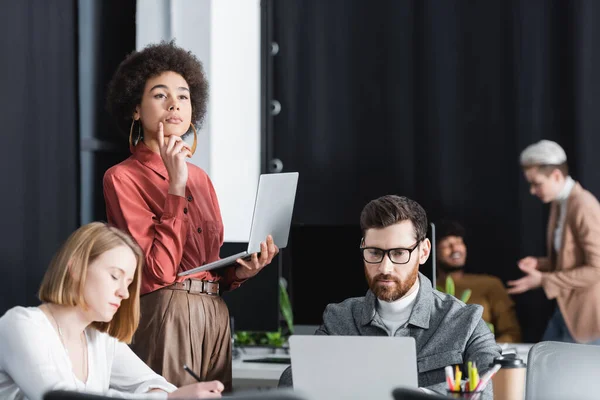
(509, 381)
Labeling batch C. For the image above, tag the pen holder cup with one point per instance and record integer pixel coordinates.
(451, 394)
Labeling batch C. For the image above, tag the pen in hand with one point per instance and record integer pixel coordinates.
(189, 371)
(196, 377)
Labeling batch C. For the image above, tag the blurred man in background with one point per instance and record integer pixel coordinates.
(485, 290)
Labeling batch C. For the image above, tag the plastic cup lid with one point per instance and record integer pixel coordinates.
(509, 361)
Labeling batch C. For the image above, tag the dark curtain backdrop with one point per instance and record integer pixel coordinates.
(39, 151)
(433, 100)
(107, 36)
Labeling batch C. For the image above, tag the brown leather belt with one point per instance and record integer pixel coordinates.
(196, 286)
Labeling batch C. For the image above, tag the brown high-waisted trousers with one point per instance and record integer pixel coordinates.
(178, 328)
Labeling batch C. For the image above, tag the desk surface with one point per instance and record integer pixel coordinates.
(249, 374)
(261, 371)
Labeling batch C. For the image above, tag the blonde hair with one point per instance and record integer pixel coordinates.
(65, 278)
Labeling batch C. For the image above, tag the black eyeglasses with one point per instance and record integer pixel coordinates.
(399, 255)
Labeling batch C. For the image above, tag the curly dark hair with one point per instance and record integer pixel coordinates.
(126, 87)
(448, 227)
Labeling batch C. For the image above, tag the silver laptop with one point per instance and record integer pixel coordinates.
(352, 367)
(273, 209)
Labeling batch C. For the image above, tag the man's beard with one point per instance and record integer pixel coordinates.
(395, 292)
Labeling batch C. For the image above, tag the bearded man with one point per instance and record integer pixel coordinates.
(401, 301)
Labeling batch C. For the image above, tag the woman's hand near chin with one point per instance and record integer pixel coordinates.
(201, 390)
(174, 151)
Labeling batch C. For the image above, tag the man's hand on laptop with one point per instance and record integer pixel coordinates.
(248, 268)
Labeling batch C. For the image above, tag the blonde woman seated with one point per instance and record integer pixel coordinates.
(76, 340)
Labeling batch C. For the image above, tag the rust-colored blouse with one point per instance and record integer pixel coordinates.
(175, 233)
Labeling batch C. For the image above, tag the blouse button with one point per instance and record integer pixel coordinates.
(185, 210)
(190, 198)
(199, 230)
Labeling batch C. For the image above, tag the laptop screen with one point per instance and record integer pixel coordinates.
(273, 209)
(352, 367)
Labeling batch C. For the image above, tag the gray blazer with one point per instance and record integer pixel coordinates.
(446, 331)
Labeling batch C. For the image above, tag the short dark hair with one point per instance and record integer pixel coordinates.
(391, 209)
(448, 227)
(126, 87)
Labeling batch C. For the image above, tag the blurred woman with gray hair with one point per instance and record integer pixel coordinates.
(570, 272)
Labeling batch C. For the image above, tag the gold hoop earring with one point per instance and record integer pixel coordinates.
(131, 142)
(195, 138)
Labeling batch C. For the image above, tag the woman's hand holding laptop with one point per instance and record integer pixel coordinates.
(252, 266)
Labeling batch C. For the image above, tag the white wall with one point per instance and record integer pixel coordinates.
(225, 36)
(158, 20)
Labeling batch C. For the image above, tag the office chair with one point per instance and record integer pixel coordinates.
(558, 371)
(415, 394)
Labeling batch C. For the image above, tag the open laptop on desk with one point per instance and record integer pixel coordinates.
(352, 367)
(273, 209)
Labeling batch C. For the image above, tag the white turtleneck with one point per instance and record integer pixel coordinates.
(395, 314)
(561, 198)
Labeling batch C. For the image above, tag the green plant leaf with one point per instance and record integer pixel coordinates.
(450, 285)
(285, 306)
(491, 326)
(466, 295)
(242, 338)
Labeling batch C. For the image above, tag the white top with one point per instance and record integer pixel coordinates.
(33, 361)
(562, 198)
(396, 313)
